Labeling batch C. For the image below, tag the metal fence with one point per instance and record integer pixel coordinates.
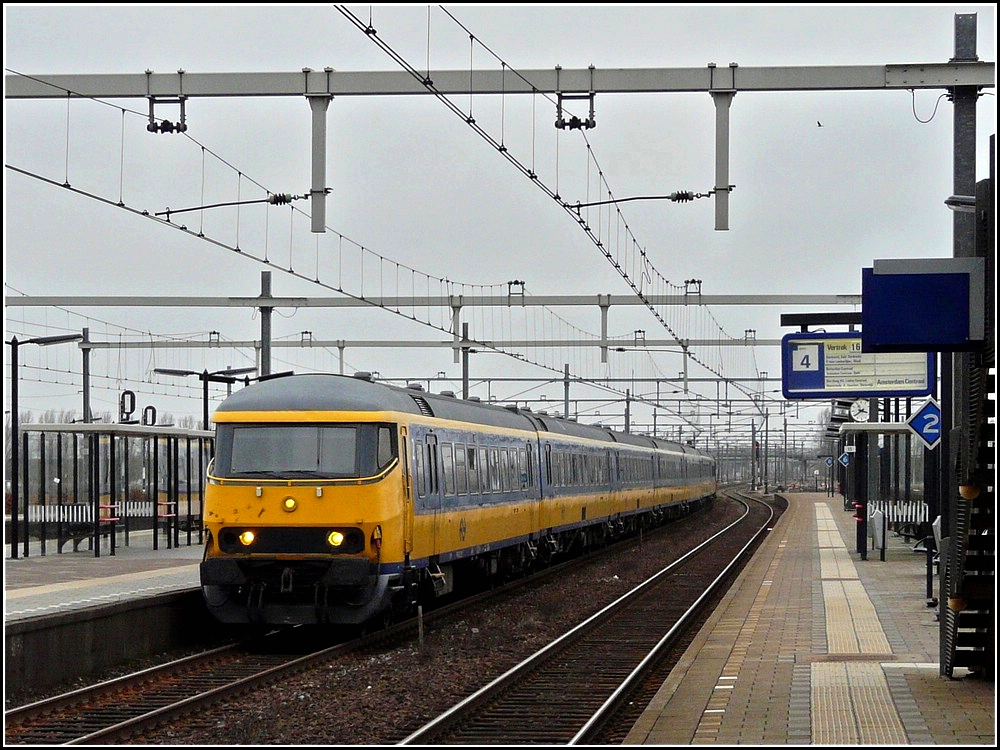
(87, 482)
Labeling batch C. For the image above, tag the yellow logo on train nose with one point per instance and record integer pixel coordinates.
(289, 504)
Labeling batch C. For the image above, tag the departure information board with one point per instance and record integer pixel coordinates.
(832, 365)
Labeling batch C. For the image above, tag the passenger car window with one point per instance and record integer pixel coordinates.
(448, 466)
(461, 478)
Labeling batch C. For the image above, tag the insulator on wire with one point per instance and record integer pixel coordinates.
(682, 196)
(279, 199)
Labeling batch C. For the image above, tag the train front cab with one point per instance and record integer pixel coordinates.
(304, 519)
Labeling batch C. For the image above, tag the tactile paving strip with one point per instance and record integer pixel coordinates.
(851, 705)
(851, 702)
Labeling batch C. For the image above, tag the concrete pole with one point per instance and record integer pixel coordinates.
(318, 104)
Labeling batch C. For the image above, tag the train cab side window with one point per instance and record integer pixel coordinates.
(386, 450)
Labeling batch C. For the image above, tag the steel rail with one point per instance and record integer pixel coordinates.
(629, 684)
(452, 716)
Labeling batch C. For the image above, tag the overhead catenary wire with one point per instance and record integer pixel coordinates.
(620, 265)
(441, 325)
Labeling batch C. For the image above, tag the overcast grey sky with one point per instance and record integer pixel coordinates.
(412, 182)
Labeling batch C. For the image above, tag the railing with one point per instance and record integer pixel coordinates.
(85, 482)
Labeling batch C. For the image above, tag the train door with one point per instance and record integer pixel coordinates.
(404, 458)
(529, 482)
(547, 473)
(434, 489)
(427, 498)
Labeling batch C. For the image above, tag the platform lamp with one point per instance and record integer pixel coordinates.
(15, 438)
(206, 377)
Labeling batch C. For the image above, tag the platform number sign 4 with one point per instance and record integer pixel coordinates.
(926, 423)
(805, 358)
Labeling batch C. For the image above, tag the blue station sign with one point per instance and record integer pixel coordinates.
(833, 365)
(926, 423)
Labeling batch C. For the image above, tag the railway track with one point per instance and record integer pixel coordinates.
(115, 710)
(133, 705)
(567, 692)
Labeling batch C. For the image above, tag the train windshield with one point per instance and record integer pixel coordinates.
(336, 451)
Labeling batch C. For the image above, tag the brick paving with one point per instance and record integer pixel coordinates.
(814, 645)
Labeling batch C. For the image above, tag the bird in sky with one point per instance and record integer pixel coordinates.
(819, 124)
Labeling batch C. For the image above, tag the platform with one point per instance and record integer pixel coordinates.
(55, 583)
(815, 646)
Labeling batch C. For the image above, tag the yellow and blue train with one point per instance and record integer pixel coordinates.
(336, 499)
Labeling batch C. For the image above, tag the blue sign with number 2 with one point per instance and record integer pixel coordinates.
(926, 423)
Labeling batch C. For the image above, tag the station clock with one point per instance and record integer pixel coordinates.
(860, 410)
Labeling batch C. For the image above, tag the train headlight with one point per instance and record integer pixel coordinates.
(289, 504)
(247, 538)
(335, 538)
